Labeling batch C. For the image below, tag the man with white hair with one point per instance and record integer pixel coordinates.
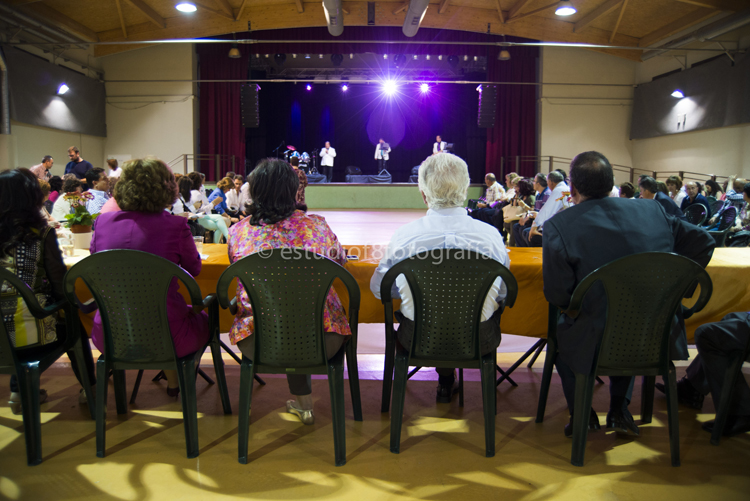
(443, 182)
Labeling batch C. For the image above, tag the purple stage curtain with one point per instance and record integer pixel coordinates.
(515, 128)
(221, 131)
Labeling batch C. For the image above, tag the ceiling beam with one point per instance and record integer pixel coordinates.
(150, 13)
(218, 12)
(242, 10)
(56, 19)
(520, 4)
(675, 26)
(226, 7)
(532, 12)
(443, 6)
(500, 11)
(731, 5)
(300, 6)
(122, 19)
(595, 14)
(401, 9)
(619, 18)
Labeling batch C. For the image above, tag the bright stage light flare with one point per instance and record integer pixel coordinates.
(345, 87)
(390, 87)
(424, 88)
(309, 87)
(678, 94)
(186, 7)
(62, 89)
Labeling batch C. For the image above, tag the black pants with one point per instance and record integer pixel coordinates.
(521, 235)
(299, 384)
(715, 342)
(620, 387)
(39, 351)
(489, 340)
(329, 173)
(382, 163)
(484, 215)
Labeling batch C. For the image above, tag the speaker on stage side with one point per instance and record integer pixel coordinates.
(353, 171)
(249, 105)
(487, 106)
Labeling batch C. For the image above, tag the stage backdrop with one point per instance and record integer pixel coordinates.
(351, 122)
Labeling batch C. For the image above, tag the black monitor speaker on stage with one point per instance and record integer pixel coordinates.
(487, 106)
(353, 171)
(249, 105)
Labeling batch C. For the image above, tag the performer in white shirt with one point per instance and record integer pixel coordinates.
(381, 154)
(327, 155)
(438, 146)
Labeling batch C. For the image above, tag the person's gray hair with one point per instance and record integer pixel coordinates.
(555, 177)
(444, 180)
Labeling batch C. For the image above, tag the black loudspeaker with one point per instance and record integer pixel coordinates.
(487, 106)
(249, 105)
(353, 171)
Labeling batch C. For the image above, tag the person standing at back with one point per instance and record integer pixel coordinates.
(77, 165)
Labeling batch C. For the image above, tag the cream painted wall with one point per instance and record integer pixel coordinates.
(154, 118)
(582, 118)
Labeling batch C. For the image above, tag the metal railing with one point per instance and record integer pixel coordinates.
(204, 163)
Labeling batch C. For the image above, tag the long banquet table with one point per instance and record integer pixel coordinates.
(729, 270)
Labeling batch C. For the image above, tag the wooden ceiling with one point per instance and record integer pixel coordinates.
(636, 23)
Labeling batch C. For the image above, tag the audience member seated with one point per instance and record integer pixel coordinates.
(55, 184)
(649, 191)
(694, 197)
(294, 161)
(542, 191)
(98, 183)
(713, 190)
(114, 169)
(443, 182)
(212, 222)
(596, 231)
(111, 204)
(235, 198)
(275, 220)
(734, 190)
(739, 235)
(662, 187)
(676, 189)
(492, 198)
(62, 207)
(184, 206)
(716, 342)
(615, 193)
(524, 201)
(145, 189)
(220, 193)
(627, 190)
(29, 250)
(532, 236)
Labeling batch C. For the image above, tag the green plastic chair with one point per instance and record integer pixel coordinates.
(734, 370)
(448, 300)
(28, 370)
(287, 289)
(643, 293)
(130, 289)
(727, 219)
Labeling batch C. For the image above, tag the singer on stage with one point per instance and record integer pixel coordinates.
(327, 155)
(381, 154)
(438, 146)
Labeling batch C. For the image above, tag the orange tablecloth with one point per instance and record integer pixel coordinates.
(729, 269)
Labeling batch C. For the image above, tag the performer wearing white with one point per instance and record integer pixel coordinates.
(381, 154)
(328, 154)
(438, 146)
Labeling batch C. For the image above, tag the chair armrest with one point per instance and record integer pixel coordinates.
(49, 309)
(89, 306)
(233, 306)
(207, 301)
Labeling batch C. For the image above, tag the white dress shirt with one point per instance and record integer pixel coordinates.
(442, 229)
(205, 206)
(552, 206)
(61, 208)
(327, 155)
(435, 146)
(385, 152)
(615, 193)
(115, 172)
(680, 196)
(235, 199)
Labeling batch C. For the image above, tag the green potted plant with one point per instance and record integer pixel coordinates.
(81, 220)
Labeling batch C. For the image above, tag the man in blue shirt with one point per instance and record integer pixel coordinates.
(77, 165)
(693, 197)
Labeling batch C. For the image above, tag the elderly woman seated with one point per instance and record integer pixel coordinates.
(145, 189)
(275, 220)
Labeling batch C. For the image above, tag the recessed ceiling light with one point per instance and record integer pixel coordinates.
(678, 94)
(62, 89)
(186, 7)
(565, 8)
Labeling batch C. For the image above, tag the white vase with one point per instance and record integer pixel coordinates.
(82, 240)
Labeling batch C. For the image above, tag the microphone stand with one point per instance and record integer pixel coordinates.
(314, 169)
(278, 148)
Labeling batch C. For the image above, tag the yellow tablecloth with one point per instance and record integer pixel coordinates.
(729, 270)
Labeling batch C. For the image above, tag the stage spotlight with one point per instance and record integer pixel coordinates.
(280, 59)
(267, 55)
(565, 8)
(345, 87)
(62, 89)
(257, 56)
(385, 56)
(320, 56)
(294, 56)
(351, 56)
(416, 57)
(427, 57)
(454, 61)
(504, 55)
(309, 87)
(234, 52)
(337, 59)
(440, 58)
(390, 87)
(678, 94)
(186, 7)
(307, 56)
(424, 88)
(466, 58)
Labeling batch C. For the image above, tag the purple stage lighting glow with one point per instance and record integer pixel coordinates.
(389, 87)
(424, 88)
(309, 87)
(345, 87)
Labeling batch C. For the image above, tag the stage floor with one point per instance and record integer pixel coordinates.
(367, 226)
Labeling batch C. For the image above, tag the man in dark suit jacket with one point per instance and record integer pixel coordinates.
(598, 230)
(647, 185)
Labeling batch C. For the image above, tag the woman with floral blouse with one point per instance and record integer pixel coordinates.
(276, 220)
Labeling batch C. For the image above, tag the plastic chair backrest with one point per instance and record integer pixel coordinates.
(449, 287)
(695, 214)
(130, 288)
(717, 206)
(727, 218)
(287, 289)
(643, 292)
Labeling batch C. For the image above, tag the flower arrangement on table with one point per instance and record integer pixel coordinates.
(81, 220)
(567, 200)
